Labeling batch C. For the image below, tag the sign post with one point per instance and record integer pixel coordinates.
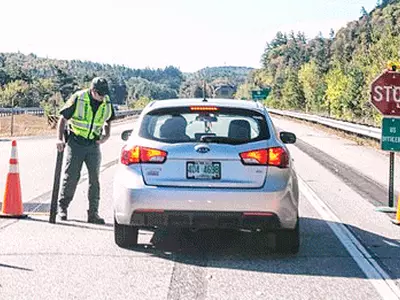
(385, 97)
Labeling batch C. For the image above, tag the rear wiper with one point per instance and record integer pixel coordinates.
(221, 140)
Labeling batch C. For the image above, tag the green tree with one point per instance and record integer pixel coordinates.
(14, 92)
(64, 83)
(140, 103)
(312, 80)
(337, 92)
(292, 92)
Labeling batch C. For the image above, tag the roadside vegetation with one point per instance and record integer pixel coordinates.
(330, 76)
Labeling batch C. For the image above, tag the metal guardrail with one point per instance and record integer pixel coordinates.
(362, 130)
(19, 111)
(40, 112)
(126, 113)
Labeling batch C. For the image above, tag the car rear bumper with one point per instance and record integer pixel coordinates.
(149, 206)
(204, 220)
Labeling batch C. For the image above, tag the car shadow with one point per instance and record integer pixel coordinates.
(321, 253)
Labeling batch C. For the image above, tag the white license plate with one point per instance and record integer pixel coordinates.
(203, 170)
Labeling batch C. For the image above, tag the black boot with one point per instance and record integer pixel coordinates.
(95, 218)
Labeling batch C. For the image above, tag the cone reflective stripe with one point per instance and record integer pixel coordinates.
(13, 169)
(12, 203)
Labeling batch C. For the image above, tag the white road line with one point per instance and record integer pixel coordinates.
(384, 285)
(391, 243)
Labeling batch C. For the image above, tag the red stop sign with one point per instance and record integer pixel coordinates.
(385, 93)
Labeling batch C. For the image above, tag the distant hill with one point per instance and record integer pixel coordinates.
(235, 75)
(221, 81)
(37, 80)
(30, 80)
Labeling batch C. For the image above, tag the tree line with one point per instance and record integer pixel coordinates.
(31, 81)
(331, 75)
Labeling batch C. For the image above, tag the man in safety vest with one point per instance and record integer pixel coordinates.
(87, 113)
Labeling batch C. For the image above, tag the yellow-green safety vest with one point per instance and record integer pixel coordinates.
(81, 121)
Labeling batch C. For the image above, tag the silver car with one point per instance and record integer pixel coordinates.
(201, 164)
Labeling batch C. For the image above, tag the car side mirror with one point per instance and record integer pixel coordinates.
(287, 137)
(126, 134)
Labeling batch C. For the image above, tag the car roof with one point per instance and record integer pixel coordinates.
(182, 102)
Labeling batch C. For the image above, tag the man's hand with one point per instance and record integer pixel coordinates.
(103, 139)
(60, 133)
(60, 146)
(106, 135)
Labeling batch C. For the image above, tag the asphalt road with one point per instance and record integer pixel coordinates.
(347, 247)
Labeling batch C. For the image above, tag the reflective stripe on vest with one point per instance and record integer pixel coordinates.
(80, 106)
(81, 121)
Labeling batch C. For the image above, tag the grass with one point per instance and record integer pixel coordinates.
(31, 125)
(25, 125)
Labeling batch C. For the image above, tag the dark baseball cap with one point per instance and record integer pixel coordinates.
(100, 85)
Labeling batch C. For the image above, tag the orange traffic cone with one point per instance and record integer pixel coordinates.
(12, 203)
(397, 220)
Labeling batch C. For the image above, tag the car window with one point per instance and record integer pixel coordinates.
(186, 124)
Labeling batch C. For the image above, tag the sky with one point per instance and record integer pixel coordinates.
(187, 34)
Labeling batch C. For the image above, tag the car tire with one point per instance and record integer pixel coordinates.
(125, 235)
(288, 240)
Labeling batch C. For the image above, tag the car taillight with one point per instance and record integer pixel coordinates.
(130, 156)
(204, 108)
(278, 157)
(270, 157)
(139, 154)
(255, 157)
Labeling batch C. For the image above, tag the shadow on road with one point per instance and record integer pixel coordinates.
(76, 223)
(321, 253)
(86, 225)
(14, 267)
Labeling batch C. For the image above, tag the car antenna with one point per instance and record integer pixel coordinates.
(204, 91)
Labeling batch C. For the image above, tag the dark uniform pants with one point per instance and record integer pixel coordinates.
(78, 154)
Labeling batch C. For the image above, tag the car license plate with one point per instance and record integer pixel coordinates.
(203, 170)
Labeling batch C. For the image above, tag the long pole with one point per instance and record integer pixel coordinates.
(56, 187)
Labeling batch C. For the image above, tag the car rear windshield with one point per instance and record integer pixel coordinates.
(199, 124)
